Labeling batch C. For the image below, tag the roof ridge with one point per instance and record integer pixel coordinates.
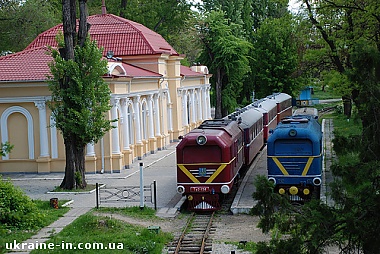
(134, 27)
(41, 35)
(22, 52)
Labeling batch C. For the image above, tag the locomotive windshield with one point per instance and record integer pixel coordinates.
(201, 154)
(298, 147)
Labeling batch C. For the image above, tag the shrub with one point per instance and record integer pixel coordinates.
(346, 144)
(16, 209)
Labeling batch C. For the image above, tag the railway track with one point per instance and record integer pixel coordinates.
(327, 110)
(195, 236)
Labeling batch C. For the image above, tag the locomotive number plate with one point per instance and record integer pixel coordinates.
(199, 189)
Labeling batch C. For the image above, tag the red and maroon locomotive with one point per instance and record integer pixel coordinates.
(208, 161)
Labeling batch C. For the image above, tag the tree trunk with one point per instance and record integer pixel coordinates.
(123, 7)
(347, 106)
(75, 157)
(80, 178)
(68, 181)
(75, 166)
(83, 25)
(218, 93)
(69, 27)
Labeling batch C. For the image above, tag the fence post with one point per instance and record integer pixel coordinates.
(97, 195)
(141, 186)
(155, 194)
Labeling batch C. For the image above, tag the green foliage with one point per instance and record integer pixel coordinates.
(268, 203)
(17, 210)
(226, 55)
(5, 148)
(347, 134)
(338, 82)
(49, 215)
(19, 24)
(275, 57)
(365, 75)
(80, 109)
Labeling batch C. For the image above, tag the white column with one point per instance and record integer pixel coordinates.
(192, 106)
(90, 149)
(200, 103)
(125, 125)
(208, 112)
(44, 146)
(157, 115)
(205, 107)
(169, 110)
(115, 129)
(137, 119)
(150, 116)
(184, 108)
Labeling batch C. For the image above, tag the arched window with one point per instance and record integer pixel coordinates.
(29, 121)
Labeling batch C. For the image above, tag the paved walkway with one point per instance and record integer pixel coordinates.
(38, 186)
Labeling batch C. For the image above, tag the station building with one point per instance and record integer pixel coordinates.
(154, 99)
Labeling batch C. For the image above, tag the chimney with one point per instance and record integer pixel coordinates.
(104, 9)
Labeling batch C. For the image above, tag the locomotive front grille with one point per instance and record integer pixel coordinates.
(202, 172)
(291, 165)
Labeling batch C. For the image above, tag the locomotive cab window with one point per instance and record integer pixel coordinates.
(303, 147)
(197, 154)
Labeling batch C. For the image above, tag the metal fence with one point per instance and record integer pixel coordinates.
(119, 194)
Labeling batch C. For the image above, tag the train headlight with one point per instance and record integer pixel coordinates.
(201, 140)
(281, 191)
(306, 191)
(272, 180)
(292, 133)
(180, 189)
(225, 189)
(293, 190)
(190, 197)
(317, 181)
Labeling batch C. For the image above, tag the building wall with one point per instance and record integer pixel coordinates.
(151, 113)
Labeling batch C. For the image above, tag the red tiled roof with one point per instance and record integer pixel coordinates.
(26, 65)
(122, 36)
(32, 65)
(136, 72)
(186, 71)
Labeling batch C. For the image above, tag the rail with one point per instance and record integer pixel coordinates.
(195, 235)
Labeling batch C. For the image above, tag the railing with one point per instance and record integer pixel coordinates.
(117, 194)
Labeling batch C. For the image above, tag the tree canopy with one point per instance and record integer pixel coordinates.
(22, 21)
(226, 56)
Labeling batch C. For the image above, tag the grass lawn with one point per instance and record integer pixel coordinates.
(93, 234)
(49, 216)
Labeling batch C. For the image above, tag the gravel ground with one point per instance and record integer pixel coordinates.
(229, 228)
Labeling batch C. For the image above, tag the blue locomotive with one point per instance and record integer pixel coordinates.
(294, 156)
